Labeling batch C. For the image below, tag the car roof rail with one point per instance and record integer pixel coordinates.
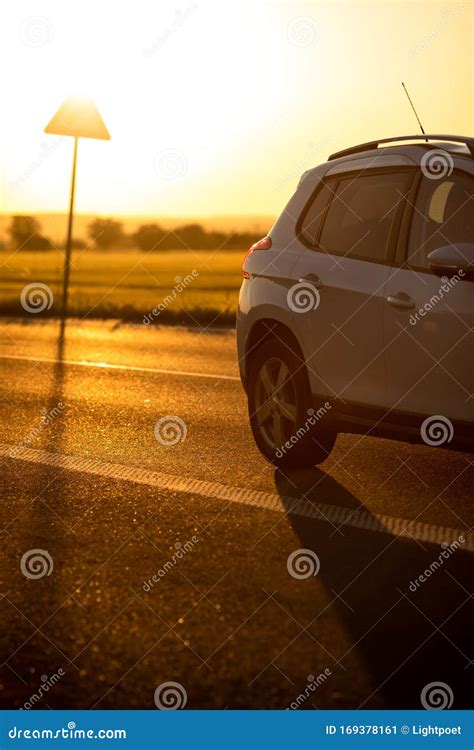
(469, 142)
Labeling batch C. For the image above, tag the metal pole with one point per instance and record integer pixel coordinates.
(67, 257)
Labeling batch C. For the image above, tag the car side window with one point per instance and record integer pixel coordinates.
(359, 221)
(313, 216)
(443, 215)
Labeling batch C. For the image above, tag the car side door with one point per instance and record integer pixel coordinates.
(429, 318)
(348, 234)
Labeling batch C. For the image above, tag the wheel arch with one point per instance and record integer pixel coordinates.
(266, 329)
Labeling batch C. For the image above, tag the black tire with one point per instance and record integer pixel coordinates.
(283, 424)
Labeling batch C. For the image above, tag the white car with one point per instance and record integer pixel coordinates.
(356, 312)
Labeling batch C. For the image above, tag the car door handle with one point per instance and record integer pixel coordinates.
(313, 279)
(401, 300)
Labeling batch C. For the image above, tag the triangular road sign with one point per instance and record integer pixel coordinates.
(78, 117)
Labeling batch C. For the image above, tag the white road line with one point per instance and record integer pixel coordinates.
(359, 519)
(109, 366)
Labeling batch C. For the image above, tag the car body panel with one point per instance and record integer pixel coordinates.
(351, 301)
(429, 348)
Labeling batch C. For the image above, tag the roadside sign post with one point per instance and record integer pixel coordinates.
(78, 118)
(67, 256)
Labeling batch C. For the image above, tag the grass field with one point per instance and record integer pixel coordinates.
(183, 285)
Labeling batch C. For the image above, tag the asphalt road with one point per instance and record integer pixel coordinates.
(173, 562)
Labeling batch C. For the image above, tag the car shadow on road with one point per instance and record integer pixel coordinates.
(403, 633)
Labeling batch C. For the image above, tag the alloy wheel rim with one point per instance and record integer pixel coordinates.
(275, 403)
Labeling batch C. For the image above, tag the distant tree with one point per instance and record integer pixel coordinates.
(78, 243)
(148, 237)
(106, 232)
(22, 229)
(238, 241)
(193, 236)
(153, 237)
(25, 234)
(39, 242)
(216, 240)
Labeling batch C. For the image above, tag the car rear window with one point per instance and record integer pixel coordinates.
(313, 216)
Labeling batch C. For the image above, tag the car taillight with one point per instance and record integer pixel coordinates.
(264, 244)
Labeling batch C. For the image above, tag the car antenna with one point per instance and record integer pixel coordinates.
(414, 110)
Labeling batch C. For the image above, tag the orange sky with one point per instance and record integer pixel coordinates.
(216, 107)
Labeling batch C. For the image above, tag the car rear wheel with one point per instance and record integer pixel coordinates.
(282, 419)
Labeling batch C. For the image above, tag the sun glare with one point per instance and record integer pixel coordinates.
(212, 107)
